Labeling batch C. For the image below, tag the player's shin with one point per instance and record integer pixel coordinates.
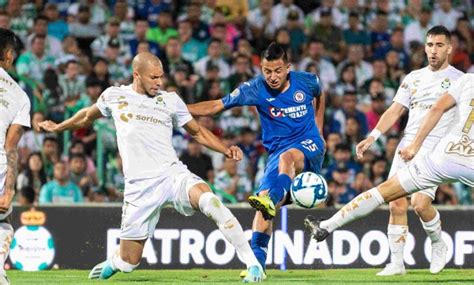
(359, 207)
(283, 186)
(6, 235)
(397, 235)
(433, 228)
(211, 206)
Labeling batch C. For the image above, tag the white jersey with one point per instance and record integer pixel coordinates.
(458, 142)
(144, 129)
(418, 92)
(14, 109)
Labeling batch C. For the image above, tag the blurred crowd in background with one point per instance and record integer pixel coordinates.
(361, 50)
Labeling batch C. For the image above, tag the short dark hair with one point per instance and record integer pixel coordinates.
(77, 155)
(51, 139)
(41, 18)
(8, 41)
(275, 51)
(439, 30)
(29, 193)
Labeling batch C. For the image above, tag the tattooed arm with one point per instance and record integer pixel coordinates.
(11, 148)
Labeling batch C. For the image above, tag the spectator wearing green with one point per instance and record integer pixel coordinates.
(33, 64)
(161, 33)
(229, 183)
(192, 49)
(60, 189)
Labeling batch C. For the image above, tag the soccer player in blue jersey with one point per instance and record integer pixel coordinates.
(286, 102)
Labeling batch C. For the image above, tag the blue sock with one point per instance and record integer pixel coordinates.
(283, 186)
(259, 246)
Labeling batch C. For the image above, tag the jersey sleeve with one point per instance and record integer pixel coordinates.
(182, 115)
(103, 104)
(403, 93)
(457, 88)
(244, 95)
(314, 84)
(22, 117)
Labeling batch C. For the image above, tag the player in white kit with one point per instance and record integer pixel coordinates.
(14, 115)
(417, 93)
(144, 117)
(451, 160)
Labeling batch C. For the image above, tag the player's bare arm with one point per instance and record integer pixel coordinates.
(444, 103)
(206, 108)
(388, 119)
(83, 118)
(209, 140)
(320, 107)
(14, 134)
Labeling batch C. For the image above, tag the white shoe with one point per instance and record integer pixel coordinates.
(4, 279)
(392, 269)
(439, 250)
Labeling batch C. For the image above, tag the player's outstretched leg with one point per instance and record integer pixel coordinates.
(115, 263)
(287, 164)
(210, 205)
(360, 206)
(6, 236)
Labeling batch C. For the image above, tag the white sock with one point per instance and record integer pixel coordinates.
(212, 207)
(362, 205)
(6, 236)
(397, 235)
(433, 228)
(119, 264)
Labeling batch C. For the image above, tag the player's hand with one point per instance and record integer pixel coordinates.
(6, 200)
(48, 126)
(363, 146)
(409, 152)
(234, 152)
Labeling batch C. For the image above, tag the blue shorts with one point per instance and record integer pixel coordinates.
(313, 160)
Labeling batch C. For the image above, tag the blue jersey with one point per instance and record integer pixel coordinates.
(286, 117)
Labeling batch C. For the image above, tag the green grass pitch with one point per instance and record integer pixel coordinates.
(206, 276)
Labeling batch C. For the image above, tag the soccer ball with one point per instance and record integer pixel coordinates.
(308, 190)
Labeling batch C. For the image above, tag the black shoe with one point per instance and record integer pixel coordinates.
(312, 224)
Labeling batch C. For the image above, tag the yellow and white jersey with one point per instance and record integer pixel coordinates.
(144, 129)
(458, 142)
(14, 109)
(418, 92)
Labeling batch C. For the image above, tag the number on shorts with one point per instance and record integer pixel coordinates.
(470, 119)
(309, 145)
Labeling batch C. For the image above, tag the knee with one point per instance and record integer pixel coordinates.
(398, 207)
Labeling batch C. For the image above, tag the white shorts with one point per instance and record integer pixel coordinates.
(144, 199)
(2, 189)
(399, 164)
(425, 172)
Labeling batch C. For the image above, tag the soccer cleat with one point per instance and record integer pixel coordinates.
(254, 275)
(439, 250)
(392, 269)
(312, 225)
(243, 273)
(4, 279)
(102, 270)
(263, 204)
